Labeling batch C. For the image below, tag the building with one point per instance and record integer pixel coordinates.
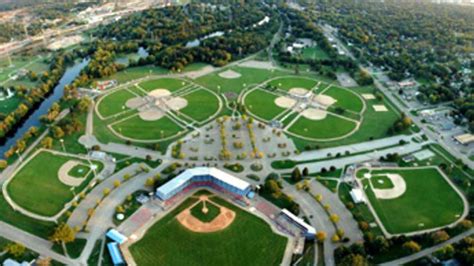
(204, 177)
(308, 231)
(465, 139)
(357, 195)
(115, 253)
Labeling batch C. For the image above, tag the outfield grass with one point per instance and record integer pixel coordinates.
(37, 188)
(262, 104)
(288, 83)
(202, 105)
(429, 200)
(114, 102)
(345, 99)
(136, 128)
(247, 241)
(330, 127)
(133, 73)
(9, 105)
(213, 212)
(170, 84)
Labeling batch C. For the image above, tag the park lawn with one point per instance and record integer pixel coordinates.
(314, 53)
(330, 127)
(37, 188)
(213, 212)
(114, 102)
(288, 83)
(262, 104)
(247, 241)
(202, 104)
(79, 171)
(138, 129)
(9, 105)
(381, 182)
(10, 216)
(133, 73)
(429, 200)
(170, 84)
(250, 77)
(345, 99)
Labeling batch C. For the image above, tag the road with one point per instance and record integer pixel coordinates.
(428, 251)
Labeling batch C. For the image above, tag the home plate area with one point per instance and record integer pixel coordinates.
(206, 216)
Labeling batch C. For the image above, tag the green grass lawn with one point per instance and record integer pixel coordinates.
(213, 212)
(345, 99)
(262, 104)
(288, 83)
(314, 52)
(136, 128)
(135, 73)
(330, 127)
(114, 102)
(37, 188)
(428, 200)
(202, 104)
(247, 241)
(250, 78)
(79, 171)
(9, 105)
(381, 182)
(163, 83)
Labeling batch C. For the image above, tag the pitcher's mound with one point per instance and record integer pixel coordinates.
(229, 74)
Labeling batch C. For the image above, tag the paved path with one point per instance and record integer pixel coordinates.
(32, 242)
(353, 148)
(428, 251)
(315, 167)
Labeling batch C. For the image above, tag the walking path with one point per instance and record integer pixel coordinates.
(428, 251)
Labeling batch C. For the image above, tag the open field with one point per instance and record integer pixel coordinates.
(428, 202)
(138, 129)
(287, 83)
(170, 84)
(345, 99)
(37, 188)
(314, 53)
(247, 241)
(136, 73)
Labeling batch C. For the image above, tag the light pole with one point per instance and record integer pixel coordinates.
(62, 144)
(19, 155)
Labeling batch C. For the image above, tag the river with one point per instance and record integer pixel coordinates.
(34, 119)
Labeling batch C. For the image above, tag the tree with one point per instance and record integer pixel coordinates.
(354, 260)
(439, 236)
(15, 249)
(63, 234)
(411, 246)
(116, 183)
(3, 164)
(334, 218)
(58, 132)
(296, 175)
(305, 171)
(150, 182)
(47, 143)
(43, 261)
(106, 192)
(321, 236)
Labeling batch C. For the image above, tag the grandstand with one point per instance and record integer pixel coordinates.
(204, 177)
(294, 225)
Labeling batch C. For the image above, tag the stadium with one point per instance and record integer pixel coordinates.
(213, 178)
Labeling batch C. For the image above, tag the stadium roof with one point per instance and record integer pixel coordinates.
(202, 171)
(299, 221)
(115, 254)
(116, 236)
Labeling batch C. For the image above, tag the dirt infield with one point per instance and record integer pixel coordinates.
(399, 187)
(222, 221)
(136, 102)
(298, 92)
(152, 114)
(324, 100)
(285, 102)
(368, 96)
(65, 178)
(229, 74)
(314, 114)
(380, 108)
(175, 103)
(158, 93)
